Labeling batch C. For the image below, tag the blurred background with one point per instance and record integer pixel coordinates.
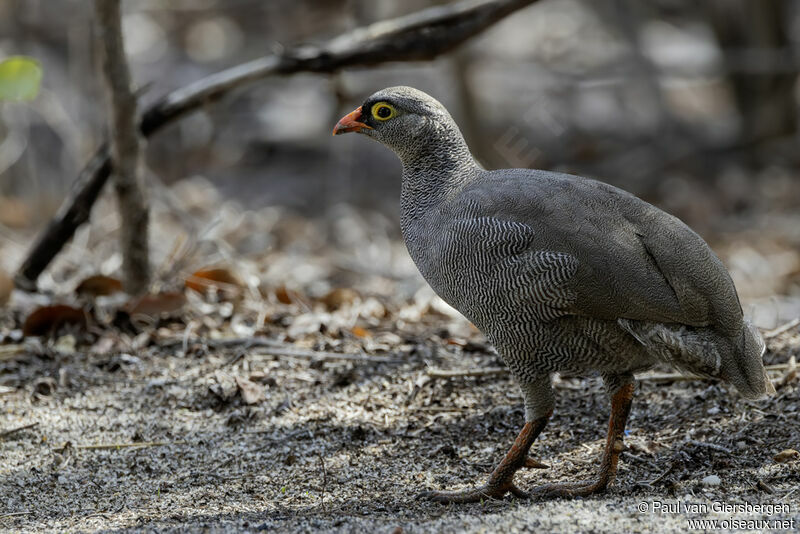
(690, 105)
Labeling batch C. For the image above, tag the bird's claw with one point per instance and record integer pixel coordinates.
(482, 493)
(569, 489)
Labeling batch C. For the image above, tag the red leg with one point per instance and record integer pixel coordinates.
(501, 481)
(620, 408)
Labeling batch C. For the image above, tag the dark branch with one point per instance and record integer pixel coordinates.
(420, 36)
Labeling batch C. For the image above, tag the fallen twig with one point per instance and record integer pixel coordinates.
(455, 373)
(707, 445)
(660, 477)
(294, 352)
(626, 454)
(138, 444)
(105, 513)
(279, 348)
(782, 328)
(419, 36)
(6, 433)
(14, 514)
(764, 486)
(324, 481)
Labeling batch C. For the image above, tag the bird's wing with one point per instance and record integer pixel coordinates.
(627, 258)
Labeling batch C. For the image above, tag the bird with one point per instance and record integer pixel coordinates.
(562, 274)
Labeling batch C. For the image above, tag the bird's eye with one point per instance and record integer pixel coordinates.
(383, 111)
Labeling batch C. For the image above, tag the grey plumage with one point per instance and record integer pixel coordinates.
(562, 273)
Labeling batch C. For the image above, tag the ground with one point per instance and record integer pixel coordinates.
(164, 441)
(324, 408)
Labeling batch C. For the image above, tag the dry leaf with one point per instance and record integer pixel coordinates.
(251, 392)
(288, 296)
(222, 281)
(49, 319)
(99, 285)
(360, 332)
(6, 287)
(282, 294)
(166, 303)
(786, 455)
(339, 298)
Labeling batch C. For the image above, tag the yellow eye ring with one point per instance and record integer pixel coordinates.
(383, 111)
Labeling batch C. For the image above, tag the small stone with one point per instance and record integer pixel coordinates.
(711, 480)
(786, 455)
(66, 344)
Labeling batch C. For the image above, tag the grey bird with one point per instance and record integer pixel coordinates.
(562, 274)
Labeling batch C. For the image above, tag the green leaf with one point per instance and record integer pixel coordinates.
(19, 78)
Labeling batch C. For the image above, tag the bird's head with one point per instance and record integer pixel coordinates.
(402, 118)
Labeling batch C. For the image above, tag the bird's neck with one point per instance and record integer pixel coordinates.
(434, 171)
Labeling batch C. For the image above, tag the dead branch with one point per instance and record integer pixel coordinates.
(14, 514)
(445, 373)
(126, 148)
(775, 332)
(416, 37)
(6, 433)
(293, 352)
(126, 445)
(278, 348)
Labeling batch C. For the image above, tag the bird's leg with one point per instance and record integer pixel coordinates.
(620, 408)
(538, 395)
(501, 481)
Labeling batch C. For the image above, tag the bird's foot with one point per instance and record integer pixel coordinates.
(501, 481)
(482, 493)
(495, 488)
(581, 488)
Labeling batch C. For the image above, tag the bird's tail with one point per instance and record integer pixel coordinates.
(705, 352)
(744, 367)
